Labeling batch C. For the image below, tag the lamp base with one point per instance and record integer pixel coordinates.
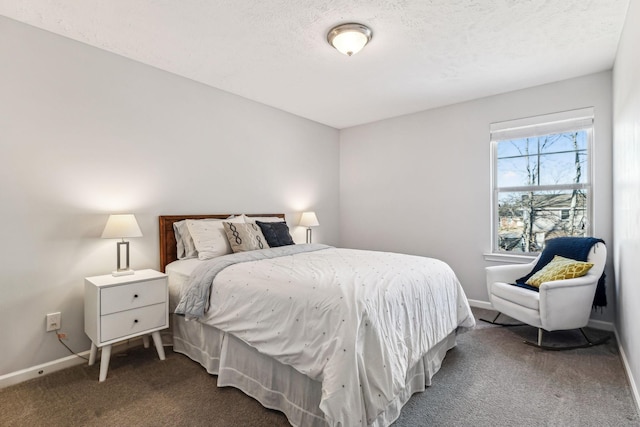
(122, 272)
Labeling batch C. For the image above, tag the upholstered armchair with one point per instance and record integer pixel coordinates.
(556, 305)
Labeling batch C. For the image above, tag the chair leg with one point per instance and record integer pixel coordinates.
(493, 322)
(589, 343)
(539, 337)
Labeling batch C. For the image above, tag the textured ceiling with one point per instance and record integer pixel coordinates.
(424, 53)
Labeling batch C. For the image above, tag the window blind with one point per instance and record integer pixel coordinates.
(542, 125)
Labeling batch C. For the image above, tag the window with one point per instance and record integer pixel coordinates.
(541, 180)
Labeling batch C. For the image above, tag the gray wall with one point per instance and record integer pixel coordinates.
(85, 133)
(420, 183)
(626, 178)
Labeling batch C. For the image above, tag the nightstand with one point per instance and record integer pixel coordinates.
(117, 308)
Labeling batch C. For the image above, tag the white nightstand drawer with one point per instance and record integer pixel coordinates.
(131, 322)
(120, 298)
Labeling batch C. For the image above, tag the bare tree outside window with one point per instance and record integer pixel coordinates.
(541, 188)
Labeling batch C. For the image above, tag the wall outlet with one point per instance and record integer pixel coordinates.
(53, 321)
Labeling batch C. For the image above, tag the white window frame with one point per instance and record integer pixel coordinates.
(566, 121)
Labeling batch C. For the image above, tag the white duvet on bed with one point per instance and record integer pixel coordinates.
(354, 320)
(179, 272)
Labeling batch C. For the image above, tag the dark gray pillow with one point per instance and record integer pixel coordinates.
(276, 233)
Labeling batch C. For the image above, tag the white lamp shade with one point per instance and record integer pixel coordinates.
(309, 219)
(121, 226)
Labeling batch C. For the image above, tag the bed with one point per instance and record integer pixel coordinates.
(328, 336)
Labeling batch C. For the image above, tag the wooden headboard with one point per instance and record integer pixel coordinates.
(168, 250)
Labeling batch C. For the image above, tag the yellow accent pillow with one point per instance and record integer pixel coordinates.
(559, 268)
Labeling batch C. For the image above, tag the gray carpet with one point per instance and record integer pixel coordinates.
(489, 379)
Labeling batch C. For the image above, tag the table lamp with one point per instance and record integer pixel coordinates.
(119, 227)
(309, 219)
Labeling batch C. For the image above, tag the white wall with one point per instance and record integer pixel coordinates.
(420, 183)
(84, 133)
(626, 178)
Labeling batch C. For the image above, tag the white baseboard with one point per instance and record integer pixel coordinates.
(635, 392)
(480, 304)
(41, 370)
(55, 365)
(602, 325)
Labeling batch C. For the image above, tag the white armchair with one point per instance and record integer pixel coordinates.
(559, 305)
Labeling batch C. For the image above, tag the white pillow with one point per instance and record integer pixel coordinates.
(184, 242)
(253, 219)
(209, 237)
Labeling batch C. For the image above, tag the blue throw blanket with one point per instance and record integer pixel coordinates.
(577, 248)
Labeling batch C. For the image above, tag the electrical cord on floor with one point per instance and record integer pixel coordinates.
(60, 335)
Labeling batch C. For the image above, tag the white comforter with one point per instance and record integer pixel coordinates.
(354, 320)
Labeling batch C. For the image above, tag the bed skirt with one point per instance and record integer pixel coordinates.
(278, 386)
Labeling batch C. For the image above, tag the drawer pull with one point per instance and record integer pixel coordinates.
(135, 321)
(135, 295)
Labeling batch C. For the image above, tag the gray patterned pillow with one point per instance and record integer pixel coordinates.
(244, 237)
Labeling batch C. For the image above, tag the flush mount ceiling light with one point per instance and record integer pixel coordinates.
(349, 38)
